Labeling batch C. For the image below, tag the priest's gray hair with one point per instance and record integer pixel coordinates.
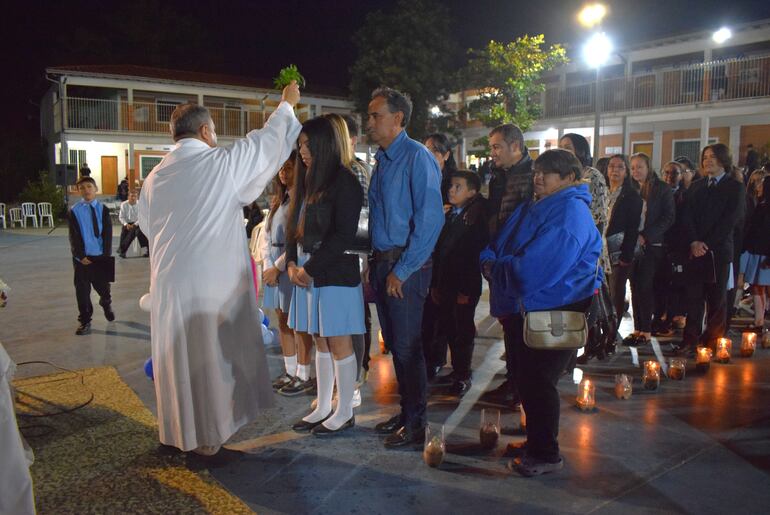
(187, 119)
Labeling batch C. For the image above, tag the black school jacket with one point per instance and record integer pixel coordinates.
(456, 256)
(330, 229)
(625, 217)
(711, 214)
(77, 246)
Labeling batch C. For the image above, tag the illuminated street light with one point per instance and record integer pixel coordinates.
(597, 50)
(722, 35)
(592, 14)
(435, 110)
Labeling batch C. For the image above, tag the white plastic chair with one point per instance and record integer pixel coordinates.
(28, 210)
(15, 213)
(44, 211)
(2, 214)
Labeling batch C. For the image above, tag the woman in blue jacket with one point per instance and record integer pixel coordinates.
(544, 258)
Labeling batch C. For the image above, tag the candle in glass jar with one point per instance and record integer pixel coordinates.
(623, 388)
(586, 400)
(489, 429)
(748, 344)
(724, 346)
(651, 375)
(702, 359)
(766, 340)
(676, 368)
(435, 446)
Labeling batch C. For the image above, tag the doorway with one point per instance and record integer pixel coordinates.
(109, 175)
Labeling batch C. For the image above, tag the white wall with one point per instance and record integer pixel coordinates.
(94, 152)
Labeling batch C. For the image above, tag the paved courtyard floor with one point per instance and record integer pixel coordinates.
(701, 445)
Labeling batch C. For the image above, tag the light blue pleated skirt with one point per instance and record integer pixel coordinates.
(751, 268)
(278, 297)
(328, 310)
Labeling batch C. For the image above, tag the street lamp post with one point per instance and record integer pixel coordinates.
(596, 52)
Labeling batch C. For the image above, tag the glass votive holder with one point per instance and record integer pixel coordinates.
(489, 428)
(651, 375)
(586, 395)
(748, 344)
(766, 340)
(724, 349)
(703, 359)
(623, 388)
(435, 447)
(677, 368)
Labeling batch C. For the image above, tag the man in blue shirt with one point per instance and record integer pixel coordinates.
(90, 232)
(405, 217)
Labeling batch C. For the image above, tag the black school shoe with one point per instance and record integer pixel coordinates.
(321, 430)
(109, 314)
(390, 426)
(529, 467)
(83, 329)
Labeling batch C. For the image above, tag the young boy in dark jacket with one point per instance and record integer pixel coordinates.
(90, 232)
(456, 283)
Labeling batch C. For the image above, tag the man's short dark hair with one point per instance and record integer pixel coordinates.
(397, 102)
(685, 161)
(471, 179)
(352, 125)
(84, 180)
(559, 161)
(187, 119)
(510, 133)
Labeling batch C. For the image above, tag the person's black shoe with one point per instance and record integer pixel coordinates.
(305, 427)
(630, 340)
(83, 329)
(122, 255)
(390, 426)
(404, 437)
(445, 380)
(461, 387)
(109, 314)
(321, 430)
(432, 372)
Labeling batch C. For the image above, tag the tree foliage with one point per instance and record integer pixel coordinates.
(43, 190)
(410, 49)
(508, 76)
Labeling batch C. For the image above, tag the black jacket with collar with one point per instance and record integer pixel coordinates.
(507, 189)
(661, 212)
(456, 256)
(757, 237)
(625, 217)
(329, 230)
(77, 246)
(711, 214)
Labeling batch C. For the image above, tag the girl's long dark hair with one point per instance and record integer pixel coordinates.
(627, 179)
(443, 145)
(581, 146)
(280, 192)
(326, 165)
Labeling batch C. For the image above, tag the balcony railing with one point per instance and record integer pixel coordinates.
(119, 116)
(710, 82)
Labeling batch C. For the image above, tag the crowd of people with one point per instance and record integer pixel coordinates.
(416, 236)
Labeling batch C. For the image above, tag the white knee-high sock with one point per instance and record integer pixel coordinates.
(759, 309)
(303, 372)
(290, 362)
(345, 372)
(324, 370)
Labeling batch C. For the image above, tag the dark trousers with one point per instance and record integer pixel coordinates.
(128, 235)
(84, 279)
(367, 336)
(617, 284)
(642, 290)
(401, 322)
(715, 297)
(669, 292)
(457, 329)
(537, 374)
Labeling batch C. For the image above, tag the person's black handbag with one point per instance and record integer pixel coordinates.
(614, 244)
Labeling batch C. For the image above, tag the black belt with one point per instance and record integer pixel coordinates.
(390, 255)
(279, 245)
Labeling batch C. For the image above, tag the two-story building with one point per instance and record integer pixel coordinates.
(116, 117)
(666, 98)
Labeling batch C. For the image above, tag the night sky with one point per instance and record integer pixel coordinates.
(254, 38)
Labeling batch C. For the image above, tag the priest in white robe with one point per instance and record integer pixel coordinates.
(210, 368)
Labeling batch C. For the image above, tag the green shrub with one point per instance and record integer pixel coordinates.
(43, 190)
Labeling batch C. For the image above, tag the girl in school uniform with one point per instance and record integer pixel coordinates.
(327, 300)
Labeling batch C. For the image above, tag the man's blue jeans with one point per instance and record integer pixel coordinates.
(401, 323)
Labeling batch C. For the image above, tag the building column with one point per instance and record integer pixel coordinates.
(200, 99)
(130, 109)
(131, 172)
(626, 136)
(704, 132)
(657, 148)
(735, 143)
